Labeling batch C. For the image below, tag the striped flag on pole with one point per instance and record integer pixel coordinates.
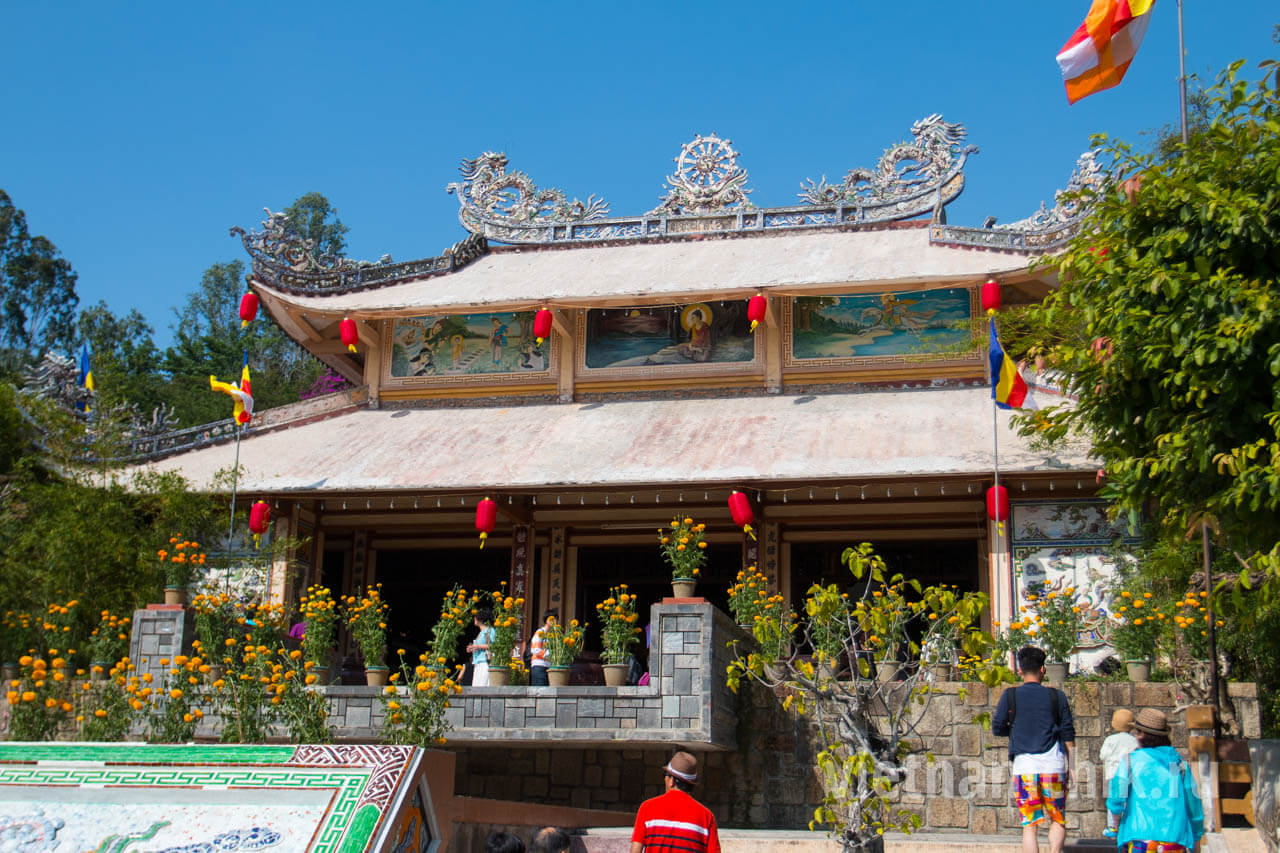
(1008, 388)
(1099, 52)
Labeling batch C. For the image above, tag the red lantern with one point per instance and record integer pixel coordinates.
(542, 325)
(248, 308)
(486, 517)
(755, 310)
(990, 296)
(998, 503)
(347, 331)
(259, 518)
(740, 510)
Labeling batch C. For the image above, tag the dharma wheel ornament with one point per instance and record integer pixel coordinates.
(347, 331)
(259, 519)
(756, 306)
(740, 510)
(991, 296)
(542, 325)
(248, 308)
(486, 517)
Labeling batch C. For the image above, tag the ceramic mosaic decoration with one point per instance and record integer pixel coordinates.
(112, 798)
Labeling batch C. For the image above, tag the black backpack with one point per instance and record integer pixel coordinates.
(1053, 703)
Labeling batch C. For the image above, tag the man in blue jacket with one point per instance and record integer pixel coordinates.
(1042, 746)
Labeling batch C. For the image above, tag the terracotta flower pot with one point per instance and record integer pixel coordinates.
(98, 671)
(499, 676)
(940, 671)
(175, 595)
(376, 676)
(557, 676)
(615, 674)
(1139, 670)
(683, 587)
(322, 675)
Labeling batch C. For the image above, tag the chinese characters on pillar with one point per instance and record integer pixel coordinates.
(521, 543)
(770, 564)
(555, 572)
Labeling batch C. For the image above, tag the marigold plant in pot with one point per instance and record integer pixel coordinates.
(455, 617)
(507, 612)
(563, 644)
(1058, 623)
(366, 618)
(1135, 627)
(685, 550)
(617, 615)
(747, 597)
(320, 612)
(109, 640)
(181, 566)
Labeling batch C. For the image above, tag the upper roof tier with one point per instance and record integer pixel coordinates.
(855, 232)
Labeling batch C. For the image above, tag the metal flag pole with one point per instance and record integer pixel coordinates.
(1182, 84)
(231, 522)
(997, 552)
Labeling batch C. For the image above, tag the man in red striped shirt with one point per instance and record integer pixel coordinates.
(675, 822)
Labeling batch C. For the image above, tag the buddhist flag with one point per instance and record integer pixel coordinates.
(1099, 52)
(1007, 387)
(241, 393)
(86, 374)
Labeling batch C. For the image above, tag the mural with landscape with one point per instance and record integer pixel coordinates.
(466, 344)
(698, 333)
(883, 324)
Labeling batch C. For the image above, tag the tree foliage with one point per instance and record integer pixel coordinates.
(1172, 280)
(37, 293)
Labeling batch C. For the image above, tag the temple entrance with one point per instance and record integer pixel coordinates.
(415, 581)
(930, 562)
(649, 577)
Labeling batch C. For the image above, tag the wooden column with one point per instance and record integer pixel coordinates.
(562, 326)
(771, 555)
(773, 346)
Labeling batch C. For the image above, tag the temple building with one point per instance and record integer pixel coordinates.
(858, 410)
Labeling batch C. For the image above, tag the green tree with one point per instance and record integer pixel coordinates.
(208, 340)
(37, 293)
(1172, 280)
(317, 220)
(126, 361)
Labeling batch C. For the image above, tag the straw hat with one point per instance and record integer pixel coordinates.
(683, 766)
(1152, 722)
(1122, 720)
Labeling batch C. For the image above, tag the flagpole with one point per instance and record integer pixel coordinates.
(1182, 84)
(231, 523)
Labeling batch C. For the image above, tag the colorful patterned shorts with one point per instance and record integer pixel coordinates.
(1043, 797)
(1154, 847)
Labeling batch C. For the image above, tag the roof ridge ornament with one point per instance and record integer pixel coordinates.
(498, 203)
(707, 179)
(925, 170)
(1047, 228)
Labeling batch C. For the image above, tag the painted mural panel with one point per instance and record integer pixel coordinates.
(466, 345)
(884, 324)
(698, 333)
(1071, 544)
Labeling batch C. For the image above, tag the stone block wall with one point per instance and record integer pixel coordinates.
(685, 701)
(159, 632)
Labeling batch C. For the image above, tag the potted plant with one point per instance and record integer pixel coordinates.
(773, 629)
(1135, 626)
(1190, 618)
(455, 616)
(685, 550)
(367, 621)
(217, 620)
(563, 643)
(506, 625)
(950, 617)
(1058, 622)
(180, 568)
(747, 597)
(319, 611)
(414, 707)
(617, 615)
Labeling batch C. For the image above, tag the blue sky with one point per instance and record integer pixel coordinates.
(134, 139)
